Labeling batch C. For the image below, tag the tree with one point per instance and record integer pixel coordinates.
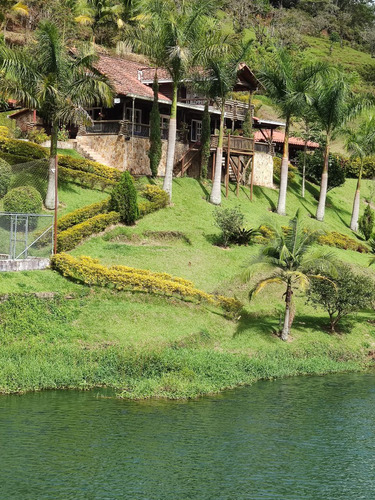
(219, 79)
(342, 294)
(59, 86)
(170, 34)
(288, 83)
(154, 152)
(124, 199)
(360, 142)
(335, 103)
(289, 252)
(366, 222)
(205, 141)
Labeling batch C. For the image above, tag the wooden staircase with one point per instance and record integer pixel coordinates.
(182, 165)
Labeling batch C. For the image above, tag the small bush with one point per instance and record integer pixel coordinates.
(82, 214)
(24, 199)
(230, 221)
(37, 135)
(156, 195)
(354, 165)
(63, 134)
(5, 177)
(338, 240)
(277, 169)
(4, 131)
(124, 199)
(366, 222)
(314, 166)
(244, 236)
(69, 239)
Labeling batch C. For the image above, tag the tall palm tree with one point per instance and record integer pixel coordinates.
(219, 79)
(47, 78)
(169, 35)
(360, 142)
(335, 104)
(289, 253)
(288, 82)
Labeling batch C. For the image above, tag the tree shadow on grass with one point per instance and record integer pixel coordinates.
(270, 201)
(266, 325)
(205, 191)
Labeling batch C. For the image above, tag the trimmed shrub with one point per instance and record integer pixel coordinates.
(156, 195)
(24, 199)
(28, 150)
(338, 240)
(366, 222)
(314, 166)
(4, 131)
(124, 199)
(82, 214)
(354, 165)
(5, 177)
(13, 159)
(70, 238)
(84, 179)
(90, 272)
(92, 167)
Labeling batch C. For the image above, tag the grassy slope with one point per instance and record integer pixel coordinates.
(156, 346)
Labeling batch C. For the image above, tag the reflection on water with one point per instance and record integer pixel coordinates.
(302, 438)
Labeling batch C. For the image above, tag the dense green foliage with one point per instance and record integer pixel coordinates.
(230, 221)
(366, 222)
(314, 166)
(5, 177)
(24, 199)
(154, 153)
(205, 141)
(124, 199)
(26, 150)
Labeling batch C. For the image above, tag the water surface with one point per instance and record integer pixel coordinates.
(309, 438)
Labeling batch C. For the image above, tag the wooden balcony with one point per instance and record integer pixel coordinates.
(234, 110)
(237, 144)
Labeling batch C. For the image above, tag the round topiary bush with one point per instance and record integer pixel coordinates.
(24, 199)
(5, 177)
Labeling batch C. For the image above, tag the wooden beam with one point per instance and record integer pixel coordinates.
(227, 170)
(252, 180)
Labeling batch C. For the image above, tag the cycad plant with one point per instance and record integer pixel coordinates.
(290, 254)
(360, 142)
(59, 86)
(335, 104)
(288, 82)
(170, 34)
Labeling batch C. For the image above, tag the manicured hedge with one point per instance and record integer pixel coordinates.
(156, 199)
(5, 177)
(25, 149)
(23, 199)
(70, 238)
(84, 179)
(91, 167)
(82, 214)
(89, 271)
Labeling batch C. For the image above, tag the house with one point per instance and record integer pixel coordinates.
(26, 119)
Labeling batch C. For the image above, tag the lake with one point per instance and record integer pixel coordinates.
(306, 438)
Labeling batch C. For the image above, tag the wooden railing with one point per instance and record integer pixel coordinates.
(235, 110)
(237, 143)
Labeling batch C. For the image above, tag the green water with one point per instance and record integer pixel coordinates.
(301, 438)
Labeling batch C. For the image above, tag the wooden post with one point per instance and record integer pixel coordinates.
(227, 169)
(182, 165)
(238, 176)
(252, 179)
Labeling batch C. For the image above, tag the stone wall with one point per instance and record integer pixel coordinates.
(32, 264)
(263, 169)
(129, 154)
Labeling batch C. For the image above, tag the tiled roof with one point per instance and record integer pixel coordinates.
(124, 76)
(280, 136)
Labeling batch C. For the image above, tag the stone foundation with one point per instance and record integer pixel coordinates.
(263, 169)
(32, 264)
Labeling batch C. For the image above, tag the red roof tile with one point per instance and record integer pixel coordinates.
(124, 76)
(280, 136)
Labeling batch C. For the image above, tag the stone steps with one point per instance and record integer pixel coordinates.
(90, 154)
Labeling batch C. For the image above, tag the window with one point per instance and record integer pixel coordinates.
(196, 130)
(164, 122)
(137, 118)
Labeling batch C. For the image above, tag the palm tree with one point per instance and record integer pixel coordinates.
(169, 35)
(288, 83)
(360, 142)
(46, 78)
(335, 104)
(219, 79)
(289, 252)
(97, 12)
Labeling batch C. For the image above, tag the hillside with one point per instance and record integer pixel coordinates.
(186, 349)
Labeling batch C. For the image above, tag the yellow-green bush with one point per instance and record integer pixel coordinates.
(91, 167)
(89, 271)
(4, 131)
(277, 169)
(82, 214)
(338, 240)
(156, 199)
(28, 150)
(353, 167)
(70, 238)
(84, 179)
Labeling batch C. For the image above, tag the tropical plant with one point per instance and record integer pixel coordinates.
(154, 153)
(360, 142)
(366, 222)
(288, 82)
(59, 86)
(97, 12)
(169, 35)
(342, 294)
(335, 103)
(289, 252)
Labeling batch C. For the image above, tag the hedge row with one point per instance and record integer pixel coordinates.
(84, 179)
(91, 167)
(24, 149)
(90, 272)
(67, 240)
(82, 214)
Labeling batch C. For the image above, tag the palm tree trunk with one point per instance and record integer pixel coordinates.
(323, 185)
(215, 197)
(167, 185)
(281, 204)
(50, 196)
(304, 169)
(357, 197)
(287, 322)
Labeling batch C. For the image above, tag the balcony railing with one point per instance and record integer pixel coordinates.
(115, 127)
(236, 143)
(235, 110)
